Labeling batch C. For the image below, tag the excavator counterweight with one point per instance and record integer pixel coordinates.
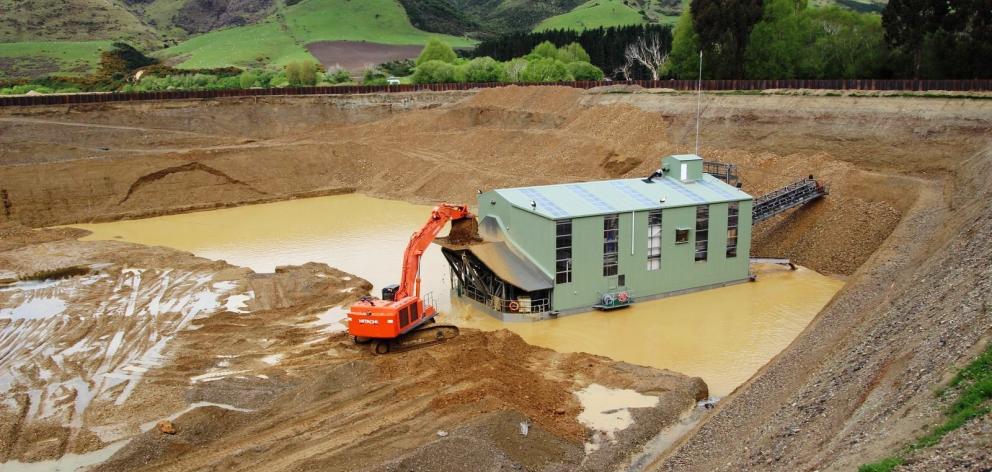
(397, 321)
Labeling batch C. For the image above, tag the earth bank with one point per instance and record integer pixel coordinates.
(907, 222)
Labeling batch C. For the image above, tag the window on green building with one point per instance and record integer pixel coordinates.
(611, 245)
(702, 231)
(654, 240)
(732, 211)
(563, 252)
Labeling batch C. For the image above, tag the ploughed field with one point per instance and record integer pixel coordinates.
(254, 371)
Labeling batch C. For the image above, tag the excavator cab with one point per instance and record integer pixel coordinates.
(389, 292)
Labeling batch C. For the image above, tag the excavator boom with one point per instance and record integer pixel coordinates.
(398, 320)
(420, 241)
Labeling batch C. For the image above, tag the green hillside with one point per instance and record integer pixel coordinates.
(71, 20)
(39, 37)
(593, 14)
(32, 59)
(281, 37)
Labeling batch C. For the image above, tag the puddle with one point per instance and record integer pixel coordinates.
(67, 463)
(272, 359)
(332, 320)
(35, 309)
(608, 410)
(722, 335)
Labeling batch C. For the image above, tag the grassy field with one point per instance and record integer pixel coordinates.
(31, 59)
(593, 14)
(281, 37)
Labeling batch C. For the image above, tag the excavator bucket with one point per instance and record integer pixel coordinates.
(464, 231)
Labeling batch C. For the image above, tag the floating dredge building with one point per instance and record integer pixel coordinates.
(556, 249)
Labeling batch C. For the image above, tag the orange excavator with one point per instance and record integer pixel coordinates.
(399, 320)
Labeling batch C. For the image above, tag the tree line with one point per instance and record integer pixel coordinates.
(788, 39)
(605, 46)
(545, 62)
(785, 39)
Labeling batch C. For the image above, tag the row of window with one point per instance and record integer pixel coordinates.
(611, 241)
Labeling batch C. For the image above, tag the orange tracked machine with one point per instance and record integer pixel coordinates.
(398, 320)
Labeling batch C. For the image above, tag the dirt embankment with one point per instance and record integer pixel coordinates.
(125, 160)
(256, 370)
(907, 220)
(858, 384)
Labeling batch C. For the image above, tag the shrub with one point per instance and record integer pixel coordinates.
(373, 76)
(308, 73)
(573, 52)
(546, 50)
(279, 80)
(399, 68)
(546, 70)
(25, 88)
(584, 71)
(337, 75)
(483, 69)
(514, 69)
(293, 73)
(264, 78)
(437, 50)
(302, 73)
(434, 72)
(247, 80)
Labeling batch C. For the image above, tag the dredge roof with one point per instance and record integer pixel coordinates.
(605, 197)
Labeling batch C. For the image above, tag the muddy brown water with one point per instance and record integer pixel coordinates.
(722, 335)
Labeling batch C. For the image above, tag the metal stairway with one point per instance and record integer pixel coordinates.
(788, 197)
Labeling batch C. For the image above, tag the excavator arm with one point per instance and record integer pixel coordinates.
(421, 240)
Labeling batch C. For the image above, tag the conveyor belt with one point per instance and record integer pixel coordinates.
(786, 198)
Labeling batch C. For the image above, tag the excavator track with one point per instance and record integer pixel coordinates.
(421, 337)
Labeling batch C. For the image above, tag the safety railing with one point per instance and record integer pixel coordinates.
(428, 299)
(722, 171)
(518, 305)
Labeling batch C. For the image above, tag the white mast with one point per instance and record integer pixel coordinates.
(699, 97)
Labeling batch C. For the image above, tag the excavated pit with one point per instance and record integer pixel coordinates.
(908, 207)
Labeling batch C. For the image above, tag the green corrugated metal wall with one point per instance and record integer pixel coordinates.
(534, 236)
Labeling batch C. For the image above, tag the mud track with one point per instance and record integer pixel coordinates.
(907, 222)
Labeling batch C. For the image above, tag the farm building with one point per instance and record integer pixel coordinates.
(564, 248)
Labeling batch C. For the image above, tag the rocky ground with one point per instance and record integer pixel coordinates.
(968, 448)
(858, 385)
